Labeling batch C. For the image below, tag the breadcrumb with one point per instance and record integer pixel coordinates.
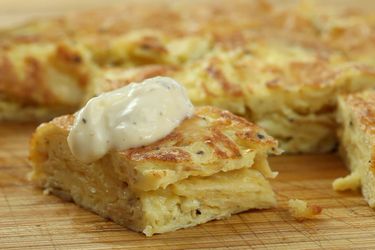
(349, 182)
(47, 191)
(300, 210)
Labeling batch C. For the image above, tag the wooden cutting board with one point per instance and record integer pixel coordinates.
(29, 219)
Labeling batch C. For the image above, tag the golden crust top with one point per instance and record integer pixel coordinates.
(222, 132)
(211, 141)
(235, 79)
(40, 74)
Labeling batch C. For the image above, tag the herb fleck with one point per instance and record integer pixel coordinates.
(76, 59)
(145, 46)
(84, 120)
(260, 136)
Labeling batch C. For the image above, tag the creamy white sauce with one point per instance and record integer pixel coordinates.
(133, 116)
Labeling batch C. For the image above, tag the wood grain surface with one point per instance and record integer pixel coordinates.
(29, 219)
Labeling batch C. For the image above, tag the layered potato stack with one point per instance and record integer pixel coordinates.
(356, 115)
(211, 166)
(280, 67)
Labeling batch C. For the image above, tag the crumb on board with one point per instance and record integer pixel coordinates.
(301, 210)
(349, 182)
(47, 191)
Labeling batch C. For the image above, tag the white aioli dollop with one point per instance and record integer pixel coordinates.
(133, 116)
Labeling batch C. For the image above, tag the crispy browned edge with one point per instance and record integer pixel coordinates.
(32, 89)
(244, 130)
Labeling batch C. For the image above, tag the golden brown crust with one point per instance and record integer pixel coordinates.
(23, 89)
(217, 74)
(209, 126)
(285, 88)
(32, 75)
(136, 75)
(210, 142)
(222, 146)
(298, 73)
(64, 122)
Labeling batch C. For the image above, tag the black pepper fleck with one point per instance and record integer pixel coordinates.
(289, 138)
(260, 136)
(145, 46)
(76, 59)
(115, 63)
(200, 152)
(84, 120)
(247, 52)
(198, 212)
